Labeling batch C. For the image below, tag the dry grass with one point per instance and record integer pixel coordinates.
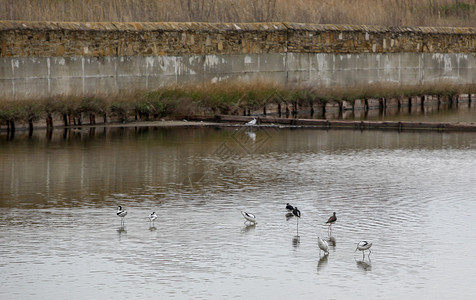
(369, 12)
(225, 98)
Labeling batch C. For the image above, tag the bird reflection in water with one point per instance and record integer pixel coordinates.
(332, 242)
(296, 241)
(322, 262)
(364, 265)
(289, 215)
(121, 231)
(248, 227)
(251, 135)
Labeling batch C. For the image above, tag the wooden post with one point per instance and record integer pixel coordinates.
(65, 119)
(30, 127)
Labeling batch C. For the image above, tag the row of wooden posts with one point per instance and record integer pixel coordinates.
(340, 106)
(292, 108)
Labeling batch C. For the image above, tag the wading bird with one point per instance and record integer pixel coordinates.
(332, 220)
(297, 213)
(362, 246)
(249, 217)
(289, 207)
(153, 216)
(323, 245)
(121, 213)
(251, 123)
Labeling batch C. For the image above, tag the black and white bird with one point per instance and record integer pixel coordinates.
(251, 123)
(332, 220)
(121, 213)
(362, 246)
(296, 212)
(152, 217)
(289, 207)
(323, 245)
(249, 217)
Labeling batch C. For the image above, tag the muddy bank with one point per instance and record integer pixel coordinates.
(275, 122)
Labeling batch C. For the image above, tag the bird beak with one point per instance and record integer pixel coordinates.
(355, 250)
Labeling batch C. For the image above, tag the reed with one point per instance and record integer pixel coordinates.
(460, 13)
(207, 99)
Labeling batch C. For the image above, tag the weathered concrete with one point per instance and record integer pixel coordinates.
(38, 77)
(39, 59)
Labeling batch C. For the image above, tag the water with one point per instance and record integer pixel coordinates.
(463, 112)
(410, 193)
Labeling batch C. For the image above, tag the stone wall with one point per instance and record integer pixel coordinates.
(47, 58)
(50, 39)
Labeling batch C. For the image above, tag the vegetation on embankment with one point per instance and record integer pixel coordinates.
(208, 99)
(460, 13)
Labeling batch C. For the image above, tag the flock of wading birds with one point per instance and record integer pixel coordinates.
(293, 211)
(251, 219)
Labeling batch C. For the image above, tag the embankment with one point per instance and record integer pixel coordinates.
(44, 59)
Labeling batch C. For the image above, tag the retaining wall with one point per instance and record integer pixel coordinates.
(47, 58)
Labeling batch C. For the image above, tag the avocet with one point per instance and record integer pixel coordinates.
(249, 217)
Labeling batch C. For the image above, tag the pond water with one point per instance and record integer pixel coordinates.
(412, 194)
(463, 112)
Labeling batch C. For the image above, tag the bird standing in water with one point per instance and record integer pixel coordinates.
(249, 217)
(121, 213)
(323, 245)
(153, 216)
(289, 207)
(362, 246)
(297, 213)
(331, 221)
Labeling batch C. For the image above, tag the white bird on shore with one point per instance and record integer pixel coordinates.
(153, 216)
(362, 246)
(249, 217)
(251, 123)
(323, 245)
(121, 213)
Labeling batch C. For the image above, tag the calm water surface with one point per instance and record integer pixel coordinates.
(413, 194)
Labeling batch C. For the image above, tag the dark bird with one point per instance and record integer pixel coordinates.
(289, 207)
(332, 219)
(296, 212)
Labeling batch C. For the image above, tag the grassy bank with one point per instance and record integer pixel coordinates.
(369, 12)
(211, 99)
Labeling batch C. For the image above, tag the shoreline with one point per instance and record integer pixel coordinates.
(269, 122)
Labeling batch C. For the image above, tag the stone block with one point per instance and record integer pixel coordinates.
(415, 101)
(463, 98)
(430, 100)
(332, 106)
(373, 103)
(391, 102)
(347, 105)
(404, 101)
(359, 104)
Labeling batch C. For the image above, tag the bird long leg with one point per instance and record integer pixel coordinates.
(297, 226)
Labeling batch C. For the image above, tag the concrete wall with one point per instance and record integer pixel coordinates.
(43, 59)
